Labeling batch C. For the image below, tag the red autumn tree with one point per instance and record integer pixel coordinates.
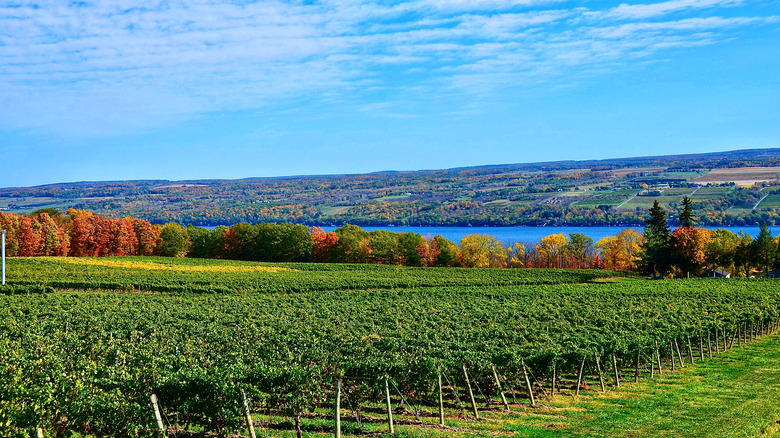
(148, 236)
(123, 240)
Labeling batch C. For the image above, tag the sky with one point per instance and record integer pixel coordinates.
(202, 89)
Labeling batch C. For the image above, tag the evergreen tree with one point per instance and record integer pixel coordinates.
(765, 249)
(657, 246)
(687, 219)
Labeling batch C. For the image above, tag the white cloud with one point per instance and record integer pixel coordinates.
(109, 66)
(650, 10)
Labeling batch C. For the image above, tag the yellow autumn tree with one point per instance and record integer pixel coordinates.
(515, 256)
(620, 252)
(551, 249)
(481, 251)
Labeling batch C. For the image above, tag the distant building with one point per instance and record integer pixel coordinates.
(719, 273)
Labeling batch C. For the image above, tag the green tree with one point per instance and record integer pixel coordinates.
(409, 248)
(384, 247)
(447, 253)
(352, 245)
(282, 243)
(205, 243)
(722, 249)
(745, 254)
(580, 248)
(175, 241)
(765, 249)
(687, 219)
(656, 249)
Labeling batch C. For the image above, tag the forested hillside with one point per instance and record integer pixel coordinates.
(730, 188)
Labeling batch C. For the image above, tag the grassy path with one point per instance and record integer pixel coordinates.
(736, 394)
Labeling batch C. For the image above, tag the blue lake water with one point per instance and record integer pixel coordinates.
(509, 235)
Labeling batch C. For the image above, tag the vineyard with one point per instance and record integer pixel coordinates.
(86, 342)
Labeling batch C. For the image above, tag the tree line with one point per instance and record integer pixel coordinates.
(684, 251)
(691, 251)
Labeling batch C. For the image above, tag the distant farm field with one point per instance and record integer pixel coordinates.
(771, 201)
(741, 176)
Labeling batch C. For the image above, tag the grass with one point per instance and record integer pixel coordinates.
(710, 191)
(333, 211)
(736, 394)
(647, 201)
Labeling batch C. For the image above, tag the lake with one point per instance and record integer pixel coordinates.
(509, 235)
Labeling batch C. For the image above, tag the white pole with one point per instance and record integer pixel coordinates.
(2, 237)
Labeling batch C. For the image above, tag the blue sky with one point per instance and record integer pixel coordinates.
(195, 89)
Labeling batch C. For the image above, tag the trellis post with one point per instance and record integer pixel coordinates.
(2, 244)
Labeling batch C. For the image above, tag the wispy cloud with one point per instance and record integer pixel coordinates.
(650, 10)
(99, 68)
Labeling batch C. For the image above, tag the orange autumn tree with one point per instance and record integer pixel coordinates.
(10, 223)
(323, 243)
(122, 240)
(96, 236)
(689, 249)
(28, 235)
(147, 234)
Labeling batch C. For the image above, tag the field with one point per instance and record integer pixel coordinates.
(771, 201)
(741, 176)
(85, 342)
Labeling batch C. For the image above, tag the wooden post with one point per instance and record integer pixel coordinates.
(701, 346)
(2, 256)
(441, 399)
(724, 338)
(739, 334)
(636, 369)
(690, 350)
(554, 377)
(671, 351)
(658, 356)
(579, 376)
(471, 393)
(500, 389)
(389, 407)
(38, 431)
(338, 408)
(652, 366)
(679, 355)
(717, 342)
(709, 343)
(248, 416)
(528, 384)
(615, 367)
(601, 375)
(157, 415)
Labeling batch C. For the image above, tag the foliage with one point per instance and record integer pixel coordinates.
(175, 241)
(507, 195)
(90, 361)
(621, 252)
(481, 251)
